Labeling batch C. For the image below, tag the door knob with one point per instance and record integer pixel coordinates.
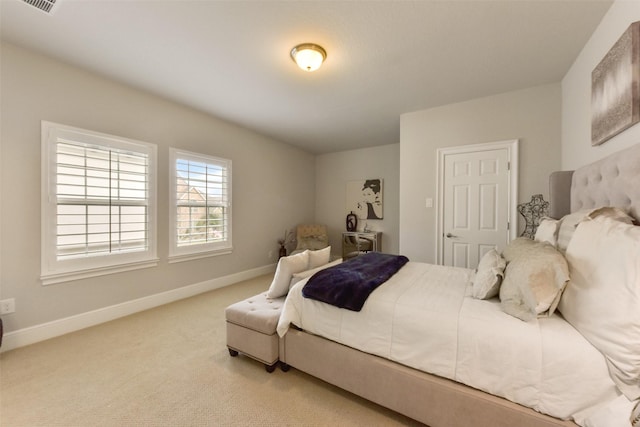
(449, 235)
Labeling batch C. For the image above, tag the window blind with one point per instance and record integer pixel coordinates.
(102, 200)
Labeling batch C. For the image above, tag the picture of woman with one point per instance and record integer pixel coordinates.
(364, 198)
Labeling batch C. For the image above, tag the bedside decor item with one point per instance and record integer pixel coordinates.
(533, 212)
(288, 237)
(308, 56)
(352, 221)
(364, 197)
(615, 91)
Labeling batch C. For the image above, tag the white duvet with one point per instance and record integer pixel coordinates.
(424, 317)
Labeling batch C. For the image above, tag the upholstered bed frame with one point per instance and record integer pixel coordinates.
(438, 402)
(612, 181)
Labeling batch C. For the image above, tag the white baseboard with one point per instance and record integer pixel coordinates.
(44, 331)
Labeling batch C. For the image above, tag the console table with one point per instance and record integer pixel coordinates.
(355, 243)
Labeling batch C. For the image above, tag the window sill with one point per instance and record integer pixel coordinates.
(52, 278)
(190, 257)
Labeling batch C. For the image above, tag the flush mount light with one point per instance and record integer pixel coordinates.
(308, 56)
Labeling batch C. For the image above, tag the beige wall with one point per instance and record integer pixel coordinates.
(576, 92)
(334, 170)
(273, 184)
(530, 115)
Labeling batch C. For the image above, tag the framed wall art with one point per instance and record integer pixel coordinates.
(615, 91)
(364, 198)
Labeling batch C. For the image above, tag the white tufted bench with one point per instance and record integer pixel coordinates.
(251, 328)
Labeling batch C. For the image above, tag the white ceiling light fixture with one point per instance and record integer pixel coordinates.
(308, 56)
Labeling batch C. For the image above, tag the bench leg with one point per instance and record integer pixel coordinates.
(268, 368)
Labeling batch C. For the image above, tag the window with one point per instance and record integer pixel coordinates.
(201, 205)
(98, 199)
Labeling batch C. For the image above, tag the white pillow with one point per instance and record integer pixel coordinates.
(603, 299)
(287, 267)
(319, 257)
(548, 231)
(308, 273)
(486, 283)
(534, 279)
(568, 223)
(567, 227)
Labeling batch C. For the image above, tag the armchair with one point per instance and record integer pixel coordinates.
(311, 236)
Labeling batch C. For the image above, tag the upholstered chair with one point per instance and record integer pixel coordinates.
(311, 236)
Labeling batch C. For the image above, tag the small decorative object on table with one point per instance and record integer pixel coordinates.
(352, 221)
(283, 243)
(532, 212)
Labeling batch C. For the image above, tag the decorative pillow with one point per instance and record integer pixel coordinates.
(287, 267)
(568, 223)
(319, 257)
(603, 299)
(548, 231)
(567, 227)
(535, 276)
(308, 273)
(486, 283)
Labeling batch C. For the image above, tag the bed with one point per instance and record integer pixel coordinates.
(424, 345)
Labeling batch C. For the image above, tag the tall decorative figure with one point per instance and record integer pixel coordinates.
(532, 212)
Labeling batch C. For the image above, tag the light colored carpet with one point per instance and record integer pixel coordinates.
(168, 366)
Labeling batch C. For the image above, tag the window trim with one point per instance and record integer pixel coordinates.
(187, 253)
(57, 271)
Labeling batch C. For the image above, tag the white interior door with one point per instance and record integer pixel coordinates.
(477, 202)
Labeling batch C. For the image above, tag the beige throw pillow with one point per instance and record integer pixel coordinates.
(568, 223)
(287, 267)
(319, 258)
(548, 231)
(535, 276)
(603, 299)
(486, 282)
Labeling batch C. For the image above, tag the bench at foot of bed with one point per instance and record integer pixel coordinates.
(251, 329)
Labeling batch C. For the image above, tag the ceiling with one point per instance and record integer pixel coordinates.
(385, 58)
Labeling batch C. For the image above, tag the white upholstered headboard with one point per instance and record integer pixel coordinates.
(612, 181)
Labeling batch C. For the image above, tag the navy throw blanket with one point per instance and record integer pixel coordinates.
(349, 284)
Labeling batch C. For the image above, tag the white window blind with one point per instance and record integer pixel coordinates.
(201, 216)
(102, 199)
(100, 207)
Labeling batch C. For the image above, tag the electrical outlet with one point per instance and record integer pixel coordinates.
(270, 254)
(7, 306)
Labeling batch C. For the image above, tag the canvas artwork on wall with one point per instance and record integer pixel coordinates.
(364, 198)
(615, 95)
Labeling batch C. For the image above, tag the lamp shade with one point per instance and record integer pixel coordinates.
(308, 56)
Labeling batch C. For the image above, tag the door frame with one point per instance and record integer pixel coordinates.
(512, 152)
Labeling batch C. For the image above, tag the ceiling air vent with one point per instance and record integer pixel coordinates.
(43, 5)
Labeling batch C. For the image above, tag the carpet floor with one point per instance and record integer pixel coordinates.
(169, 366)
